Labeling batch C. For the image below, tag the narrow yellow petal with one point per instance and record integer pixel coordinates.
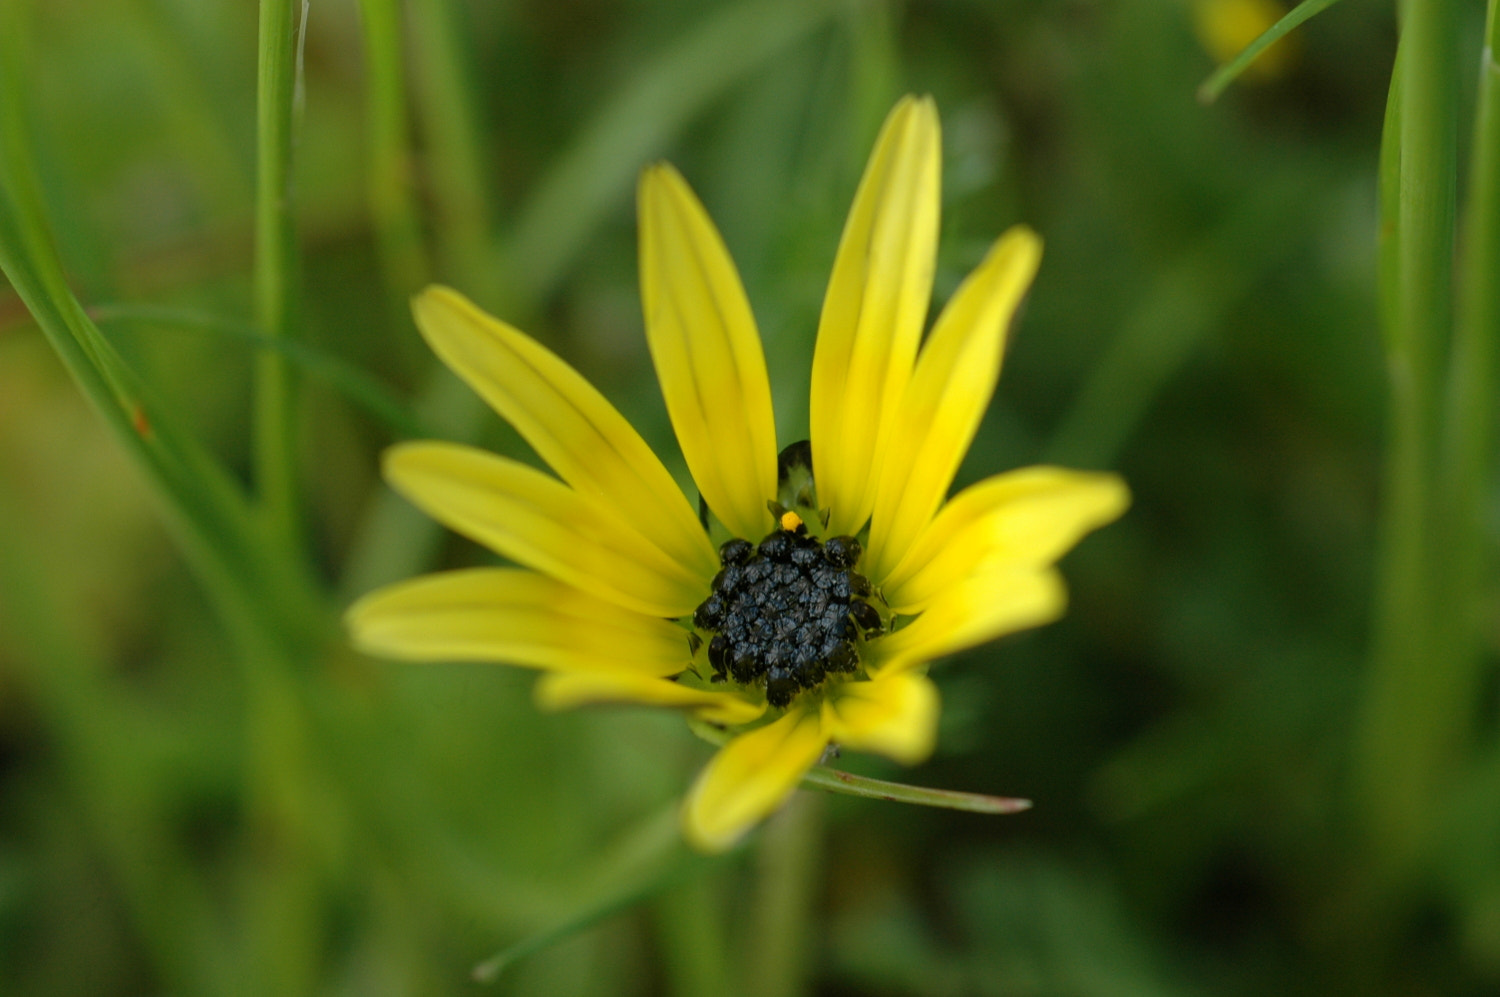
(874, 310)
(536, 520)
(566, 420)
(515, 617)
(566, 690)
(949, 391)
(894, 715)
(707, 353)
(1024, 518)
(749, 778)
(994, 601)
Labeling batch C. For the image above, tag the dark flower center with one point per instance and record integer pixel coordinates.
(787, 612)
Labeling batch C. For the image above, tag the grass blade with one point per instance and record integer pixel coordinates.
(353, 383)
(1413, 704)
(600, 169)
(276, 268)
(1226, 74)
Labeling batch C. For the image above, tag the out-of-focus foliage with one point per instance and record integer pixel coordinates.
(1204, 322)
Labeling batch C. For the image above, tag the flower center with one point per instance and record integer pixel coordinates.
(787, 612)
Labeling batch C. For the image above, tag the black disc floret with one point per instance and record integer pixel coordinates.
(785, 613)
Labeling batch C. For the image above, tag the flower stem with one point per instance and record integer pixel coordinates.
(275, 269)
(690, 920)
(788, 853)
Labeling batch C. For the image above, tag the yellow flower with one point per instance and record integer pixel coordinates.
(840, 570)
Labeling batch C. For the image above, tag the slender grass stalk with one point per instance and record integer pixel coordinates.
(875, 71)
(648, 859)
(1226, 74)
(456, 160)
(1410, 712)
(393, 208)
(783, 929)
(210, 517)
(596, 173)
(693, 924)
(353, 383)
(276, 269)
(264, 599)
(282, 936)
(202, 133)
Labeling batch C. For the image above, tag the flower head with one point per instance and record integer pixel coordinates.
(801, 606)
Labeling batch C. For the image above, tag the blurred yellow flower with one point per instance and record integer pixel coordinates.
(1226, 27)
(840, 571)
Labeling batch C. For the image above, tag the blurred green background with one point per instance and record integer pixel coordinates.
(1205, 322)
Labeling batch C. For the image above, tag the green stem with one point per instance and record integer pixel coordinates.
(588, 182)
(1410, 713)
(275, 269)
(456, 158)
(788, 884)
(354, 384)
(693, 929)
(649, 858)
(1226, 74)
(210, 516)
(393, 208)
(204, 139)
(264, 597)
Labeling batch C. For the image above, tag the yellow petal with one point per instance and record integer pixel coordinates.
(539, 522)
(707, 353)
(1025, 518)
(566, 690)
(989, 603)
(873, 313)
(949, 391)
(894, 715)
(567, 422)
(749, 778)
(516, 617)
